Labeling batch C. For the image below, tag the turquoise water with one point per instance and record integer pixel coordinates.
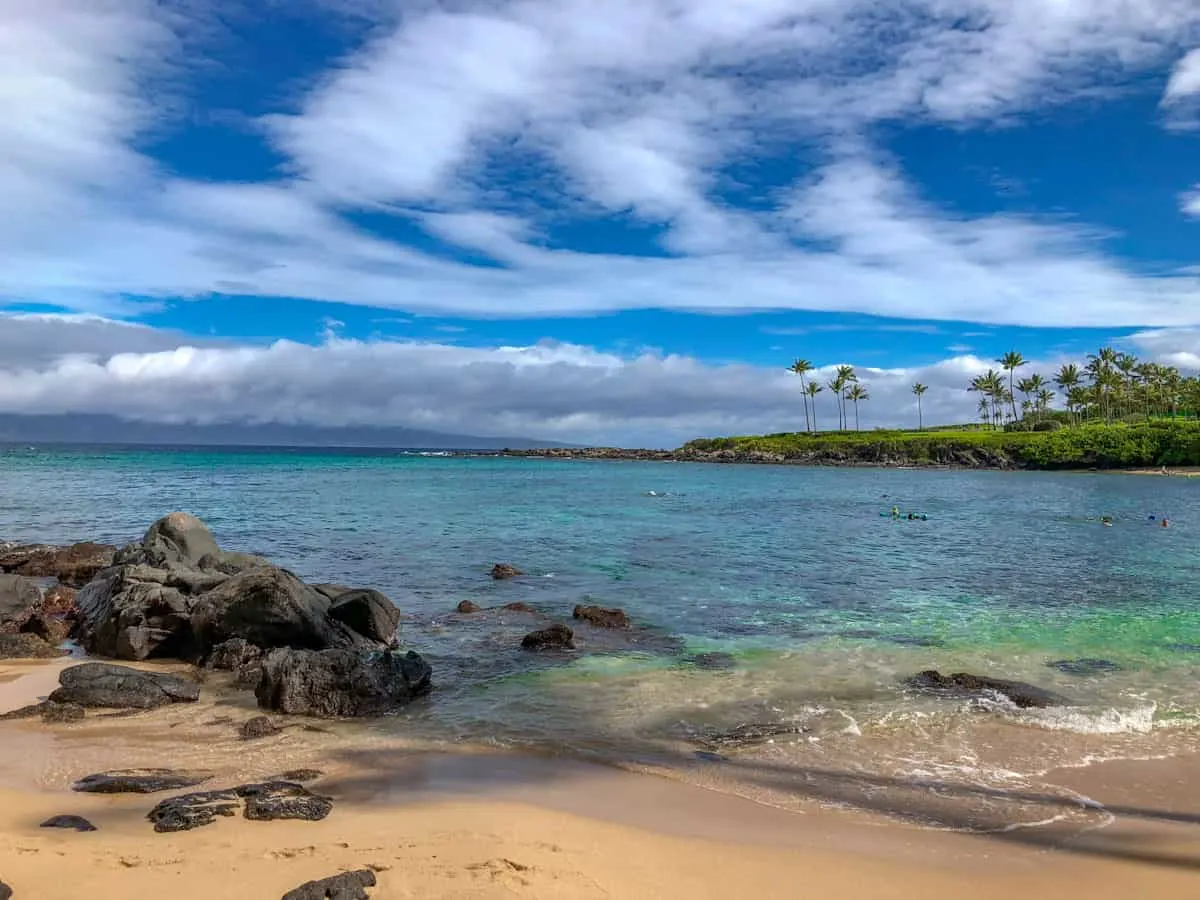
(824, 604)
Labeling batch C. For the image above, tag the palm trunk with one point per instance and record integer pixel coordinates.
(856, 428)
(920, 415)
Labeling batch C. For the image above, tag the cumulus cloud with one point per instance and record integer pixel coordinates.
(1185, 80)
(549, 391)
(629, 108)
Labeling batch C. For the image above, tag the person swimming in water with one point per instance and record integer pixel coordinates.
(1106, 521)
(895, 512)
(1165, 523)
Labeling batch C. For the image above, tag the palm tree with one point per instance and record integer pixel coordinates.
(802, 367)
(856, 393)
(1037, 386)
(1044, 396)
(920, 389)
(812, 391)
(985, 411)
(1067, 379)
(847, 377)
(836, 384)
(1010, 362)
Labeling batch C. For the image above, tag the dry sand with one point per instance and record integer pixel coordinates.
(499, 826)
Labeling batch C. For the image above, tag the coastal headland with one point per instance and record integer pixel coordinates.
(1146, 447)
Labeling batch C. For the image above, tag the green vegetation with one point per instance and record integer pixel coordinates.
(1118, 412)
(1120, 445)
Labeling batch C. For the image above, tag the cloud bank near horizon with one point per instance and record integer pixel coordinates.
(549, 391)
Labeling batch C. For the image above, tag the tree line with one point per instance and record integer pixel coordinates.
(1111, 386)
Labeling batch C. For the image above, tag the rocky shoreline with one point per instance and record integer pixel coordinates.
(865, 455)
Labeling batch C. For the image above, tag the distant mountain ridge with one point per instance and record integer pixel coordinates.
(105, 429)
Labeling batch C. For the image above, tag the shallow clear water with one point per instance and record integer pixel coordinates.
(824, 604)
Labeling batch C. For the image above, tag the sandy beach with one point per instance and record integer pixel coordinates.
(490, 825)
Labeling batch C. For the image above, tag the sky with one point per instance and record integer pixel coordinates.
(593, 221)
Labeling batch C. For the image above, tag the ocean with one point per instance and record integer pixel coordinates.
(777, 610)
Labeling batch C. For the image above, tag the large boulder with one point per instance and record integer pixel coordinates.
(74, 565)
(120, 687)
(271, 607)
(368, 613)
(178, 540)
(341, 683)
(177, 594)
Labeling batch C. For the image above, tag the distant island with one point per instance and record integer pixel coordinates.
(113, 430)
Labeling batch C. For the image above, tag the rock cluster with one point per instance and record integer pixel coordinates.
(177, 594)
(261, 802)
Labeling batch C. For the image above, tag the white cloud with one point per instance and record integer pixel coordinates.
(1185, 80)
(551, 391)
(628, 108)
(1190, 202)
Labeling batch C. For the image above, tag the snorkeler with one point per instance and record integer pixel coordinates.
(1106, 521)
(1165, 522)
(895, 512)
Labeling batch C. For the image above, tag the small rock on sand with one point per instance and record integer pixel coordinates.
(258, 727)
(5, 891)
(139, 781)
(346, 886)
(72, 823)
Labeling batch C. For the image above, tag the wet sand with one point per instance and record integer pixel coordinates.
(438, 824)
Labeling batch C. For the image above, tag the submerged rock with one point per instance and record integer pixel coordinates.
(26, 646)
(519, 607)
(501, 571)
(73, 823)
(346, 886)
(74, 565)
(340, 683)
(466, 607)
(1025, 696)
(139, 781)
(602, 617)
(749, 734)
(556, 637)
(258, 727)
(120, 687)
(264, 801)
(715, 660)
(1085, 666)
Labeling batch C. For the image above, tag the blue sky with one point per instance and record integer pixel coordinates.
(627, 198)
